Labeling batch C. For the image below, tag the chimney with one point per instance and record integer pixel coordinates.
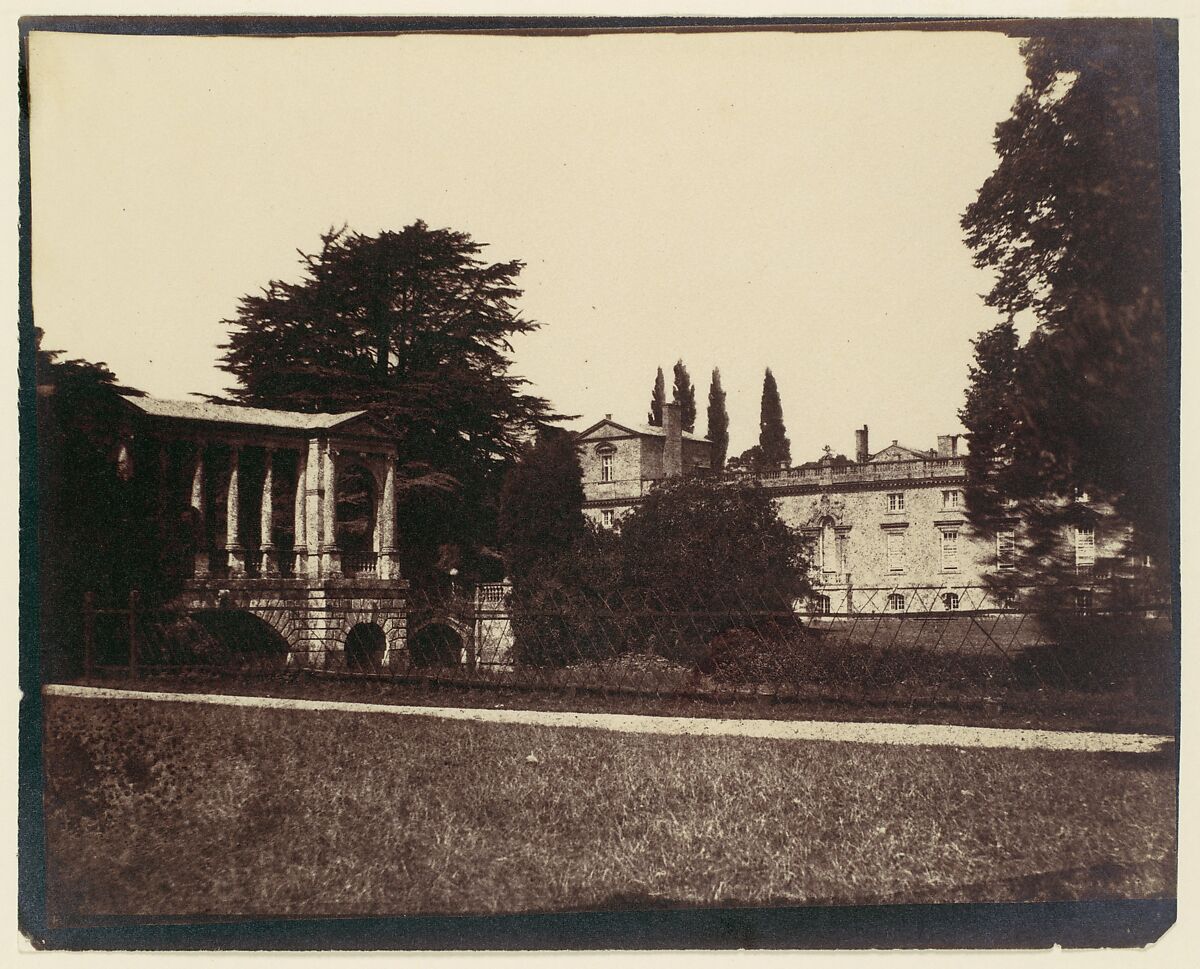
(947, 446)
(861, 451)
(672, 440)
(608, 417)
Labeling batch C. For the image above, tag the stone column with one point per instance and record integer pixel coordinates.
(314, 468)
(300, 545)
(200, 564)
(331, 556)
(233, 545)
(388, 563)
(266, 544)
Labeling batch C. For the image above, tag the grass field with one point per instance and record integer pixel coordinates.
(167, 809)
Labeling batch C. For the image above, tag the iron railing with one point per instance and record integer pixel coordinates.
(905, 647)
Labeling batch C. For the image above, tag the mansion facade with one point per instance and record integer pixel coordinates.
(887, 530)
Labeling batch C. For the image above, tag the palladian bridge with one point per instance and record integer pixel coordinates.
(291, 518)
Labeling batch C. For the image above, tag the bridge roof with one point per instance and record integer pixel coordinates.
(189, 410)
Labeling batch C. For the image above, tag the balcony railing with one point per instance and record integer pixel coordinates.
(879, 471)
(360, 563)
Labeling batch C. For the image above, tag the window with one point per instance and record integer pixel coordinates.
(1083, 600)
(951, 499)
(895, 551)
(606, 467)
(895, 501)
(896, 602)
(950, 601)
(1006, 550)
(822, 605)
(950, 550)
(1085, 546)
(829, 549)
(606, 517)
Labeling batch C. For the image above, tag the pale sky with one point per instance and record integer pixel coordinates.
(735, 199)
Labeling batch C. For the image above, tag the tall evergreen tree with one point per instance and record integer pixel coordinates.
(718, 421)
(657, 398)
(684, 394)
(1073, 223)
(991, 421)
(413, 326)
(772, 435)
(541, 504)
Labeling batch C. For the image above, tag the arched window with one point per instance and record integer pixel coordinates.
(950, 601)
(822, 605)
(896, 602)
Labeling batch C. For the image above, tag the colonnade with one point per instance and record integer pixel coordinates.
(315, 552)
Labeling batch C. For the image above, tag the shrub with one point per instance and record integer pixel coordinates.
(701, 555)
(561, 611)
(697, 557)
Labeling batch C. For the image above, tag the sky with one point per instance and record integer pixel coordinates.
(741, 200)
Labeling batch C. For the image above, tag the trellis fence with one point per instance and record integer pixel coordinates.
(1044, 651)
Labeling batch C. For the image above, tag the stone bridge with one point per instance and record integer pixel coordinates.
(330, 588)
(314, 553)
(354, 621)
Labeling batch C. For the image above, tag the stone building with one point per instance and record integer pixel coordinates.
(887, 529)
(622, 461)
(224, 473)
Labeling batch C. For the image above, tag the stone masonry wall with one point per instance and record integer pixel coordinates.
(627, 458)
(314, 618)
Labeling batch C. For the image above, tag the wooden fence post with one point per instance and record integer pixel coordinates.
(89, 632)
(134, 596)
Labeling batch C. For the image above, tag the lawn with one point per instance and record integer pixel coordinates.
(168, 809)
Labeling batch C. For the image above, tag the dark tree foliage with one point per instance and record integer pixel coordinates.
(750, 459)
(716, 552)
(1072, 224)
(991, 421)
(415, 327)
(684, 394)
(657, 397)
(98, 531)
(772, 435)
(696, 558)
(718, 421)
(698, 541)
(541, 504)
(563, 606)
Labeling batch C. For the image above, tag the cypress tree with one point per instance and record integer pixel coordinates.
(684, 395)
(772, 435)
(657, 398)
(718, 421)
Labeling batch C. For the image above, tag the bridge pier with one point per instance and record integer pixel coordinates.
(315, 617)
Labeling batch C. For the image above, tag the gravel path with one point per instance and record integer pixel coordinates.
(863, 733)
